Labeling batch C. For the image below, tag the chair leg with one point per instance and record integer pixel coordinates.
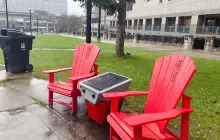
(185, 127)
(74, 104)
(112, 133)
(50, 98)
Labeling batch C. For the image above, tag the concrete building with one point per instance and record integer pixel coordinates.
(42, 20)
(199, 18)
(44, 12)
(94, 26)
(56, 7)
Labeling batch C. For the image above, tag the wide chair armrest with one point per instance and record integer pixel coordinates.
(142, 119)
(118, 95)
(56, 71)
(81, 77)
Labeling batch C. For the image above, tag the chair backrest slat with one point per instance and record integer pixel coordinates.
(170, 78)
(85, 56)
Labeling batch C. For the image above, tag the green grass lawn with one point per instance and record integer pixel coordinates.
(62, 42)
(204, 88)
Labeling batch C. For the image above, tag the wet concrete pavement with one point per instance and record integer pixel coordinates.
(32, 87)
(22, 118)
(10, 99)
(2, 67)
(35, 122)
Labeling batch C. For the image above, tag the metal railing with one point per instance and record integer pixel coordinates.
(128, 27)
(112, 27)
(215, 30)
(183, 29)
(148, 28)
(135, 27)
(169, 28)
(157, 28)
(140, 27)
(208, 30)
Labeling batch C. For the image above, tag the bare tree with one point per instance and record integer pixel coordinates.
(75, 22)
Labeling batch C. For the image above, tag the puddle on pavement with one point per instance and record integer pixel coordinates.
(79, 125)
(5, 76)
(40, 123)
(81, 107)
(48, 134)
(60, 120)
(2, 67)
(17, 110)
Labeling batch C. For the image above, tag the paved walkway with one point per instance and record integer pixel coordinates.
(95, 39)
(25, 116)
(162, 48)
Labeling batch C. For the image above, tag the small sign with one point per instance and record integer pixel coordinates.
(23, 46)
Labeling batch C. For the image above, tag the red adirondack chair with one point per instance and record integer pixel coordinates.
(83, 67)
(170, 78)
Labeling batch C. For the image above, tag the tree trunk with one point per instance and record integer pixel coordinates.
(120, 37)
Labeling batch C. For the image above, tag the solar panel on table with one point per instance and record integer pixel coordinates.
(105, 81)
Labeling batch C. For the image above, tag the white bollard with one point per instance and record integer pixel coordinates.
(188, 42)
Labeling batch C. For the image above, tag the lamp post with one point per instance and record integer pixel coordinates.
(99, 25)
(6, 11)
(37, 22)
(30, 21)
(88, 20)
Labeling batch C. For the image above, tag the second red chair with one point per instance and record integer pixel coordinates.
(83, 67)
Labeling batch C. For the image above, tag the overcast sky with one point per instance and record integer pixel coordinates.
(74, 8)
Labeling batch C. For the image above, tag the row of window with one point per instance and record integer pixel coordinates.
(160, 1)
(207, 24)
(129, 5)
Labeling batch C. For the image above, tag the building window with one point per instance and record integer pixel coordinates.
(170, 24)
(148, 25)
(129, 24)
(129, 5)
(157, 24)
(184, 24)
(160, 1)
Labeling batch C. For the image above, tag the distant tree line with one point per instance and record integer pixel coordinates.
(70, 23)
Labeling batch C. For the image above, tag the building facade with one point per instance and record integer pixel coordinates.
(95, 19)
(44, 13)
(41, 20)
(56, 7)
(171, 18)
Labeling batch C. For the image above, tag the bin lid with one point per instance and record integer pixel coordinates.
(14, 33)
(10, 32)
(24, 36)
(4, 31)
